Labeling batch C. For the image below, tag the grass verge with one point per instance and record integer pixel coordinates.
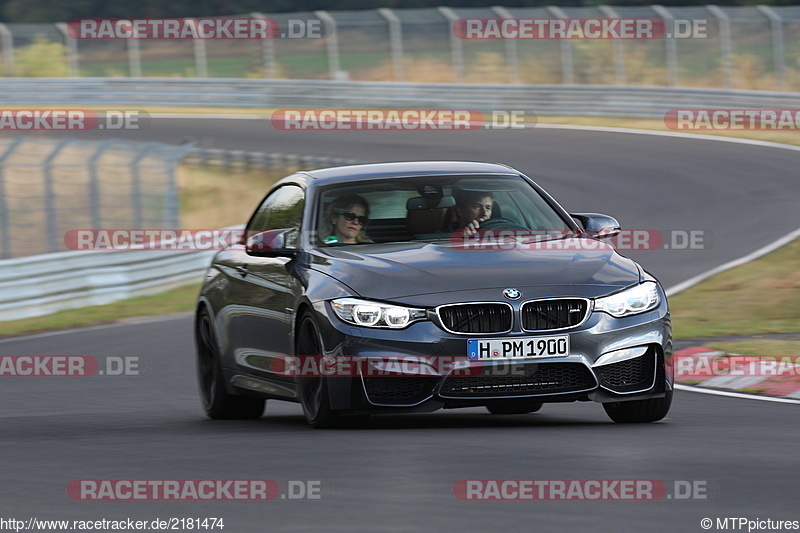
(172, 301)
(761, 297)
(213, 198)
(759, 347)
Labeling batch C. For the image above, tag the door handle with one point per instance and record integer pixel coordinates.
(242, 270)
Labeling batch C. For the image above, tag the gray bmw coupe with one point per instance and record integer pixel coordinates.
(410, 287)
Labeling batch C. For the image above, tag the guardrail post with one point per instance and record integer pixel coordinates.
(5, 230)
(456, 46)
(136, 184)
(778, 54)
(134, 58)
(7, 43)
(567, 65)
(51, 215)
(94, 183)
(670, 45)
(72, 50)
(172, 205)
(512, 51)
(332, 41)
(724, 22)
(619, 51)
(267, 52)
(200, 54)
(395, 42)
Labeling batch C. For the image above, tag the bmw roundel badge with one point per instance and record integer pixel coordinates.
(512, 294)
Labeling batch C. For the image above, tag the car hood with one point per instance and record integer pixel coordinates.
(397, 271)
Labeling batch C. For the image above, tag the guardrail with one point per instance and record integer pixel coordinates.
(43, 284)
(588, 100)
(228, 159)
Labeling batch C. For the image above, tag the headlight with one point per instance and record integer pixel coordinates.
(638, 299)
(374, 314)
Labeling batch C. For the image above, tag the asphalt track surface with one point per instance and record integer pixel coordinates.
(398, 474)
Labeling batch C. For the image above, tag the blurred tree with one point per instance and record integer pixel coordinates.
(43, 58)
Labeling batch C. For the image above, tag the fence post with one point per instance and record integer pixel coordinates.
(172, 205)
(136, 183)
(50, 213)
(619, 51)
(200, 54)
(456, 46)
(332, 40)
(267, 52)
(725, 42)
(512, 51)
(778, 54)
(567, 66)
(5, 231)
(395, 41)
(670, 45)
(7, 42)
(72, 50)
(94, 183)
(134, 58)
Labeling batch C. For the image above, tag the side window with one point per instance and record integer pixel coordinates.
(280, 210)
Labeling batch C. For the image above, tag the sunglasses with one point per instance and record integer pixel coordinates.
(350, 216)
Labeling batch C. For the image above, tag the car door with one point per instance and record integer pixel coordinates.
(262, 291)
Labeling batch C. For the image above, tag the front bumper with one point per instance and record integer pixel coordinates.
(610, 360)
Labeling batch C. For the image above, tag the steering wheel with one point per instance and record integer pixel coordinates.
(499, 223)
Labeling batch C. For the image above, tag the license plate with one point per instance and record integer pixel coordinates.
(517, 348)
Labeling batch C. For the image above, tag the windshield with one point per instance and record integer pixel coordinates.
(431, 208)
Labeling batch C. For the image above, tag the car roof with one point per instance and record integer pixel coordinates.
(407, 168)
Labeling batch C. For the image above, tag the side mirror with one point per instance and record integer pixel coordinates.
(597, 225)
(272, 243)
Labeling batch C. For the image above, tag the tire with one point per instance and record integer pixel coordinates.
(514, 407)
(639, 411)
(313, 391)
(217, 403)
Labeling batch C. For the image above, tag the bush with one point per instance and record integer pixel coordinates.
(41, 59)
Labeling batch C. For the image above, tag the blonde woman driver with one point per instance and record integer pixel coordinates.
(349, 216)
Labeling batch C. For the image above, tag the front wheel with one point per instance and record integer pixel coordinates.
(217, 403)
(313, 391)
(638, 411)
